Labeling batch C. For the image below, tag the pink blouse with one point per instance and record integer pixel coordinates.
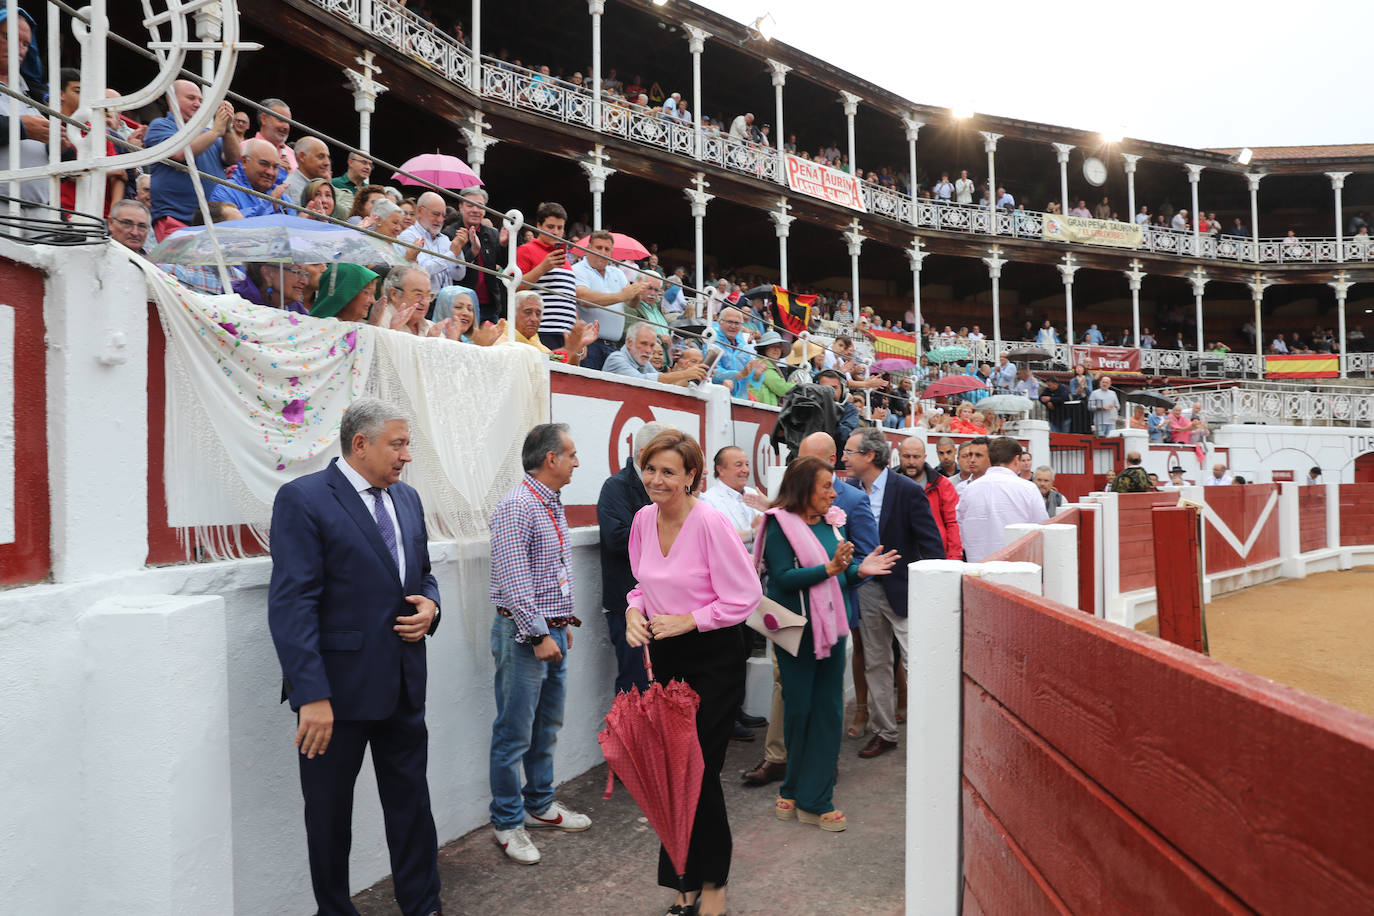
(707, 573)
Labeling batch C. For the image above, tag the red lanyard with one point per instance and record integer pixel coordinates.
(549, 509)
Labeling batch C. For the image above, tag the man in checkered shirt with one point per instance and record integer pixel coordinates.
(532, 589)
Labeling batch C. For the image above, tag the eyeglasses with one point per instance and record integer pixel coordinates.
(853, 451)
(130, 224)
(297, 271)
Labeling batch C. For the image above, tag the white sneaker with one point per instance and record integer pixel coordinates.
(556, 815)
(518, 845)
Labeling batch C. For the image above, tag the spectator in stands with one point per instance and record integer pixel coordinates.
(966, 421)
(963, 188)
(348, 185)
(738, 360)
(1157, 424)
(1220, 477)
(1103, 210)
(602, 292)
(1092, 337)
(1106, 407)
(1047, 337)
(347, 292)
(312, 162)
(257, 170)
(406, 297)
(1004, 375)
(622, 495)
(174, 197)
(741, 127)
(1023, 466)
(273, 128)
(143, 190)
(1004, 200)
(130, 224)
(544, 260)
(1147, 340)
(1043, 479)
(1081, 210)
(317, 199)
(766, 384)
(939, 492)
(634, 359)
(674, 302)
(1143, 217)
(849, 414)
(360, 211)
(33, 127)
(944, 189)
(995, 500)
(529, 311)
(280, 286)
(1180, 221)
(1026, 385)
(433, 245)
(948, 455)
(1177, 425)
(1176, 477)
(1314, 476)
(645, 307)
(205, 278)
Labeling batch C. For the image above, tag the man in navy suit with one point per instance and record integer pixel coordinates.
(905, 525)
(350, 604)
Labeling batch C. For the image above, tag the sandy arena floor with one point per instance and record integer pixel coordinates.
(1315, 634)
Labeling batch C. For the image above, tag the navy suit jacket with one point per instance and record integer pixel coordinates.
(335, 596)
(862, 531)
(906, 526)
(622, 495)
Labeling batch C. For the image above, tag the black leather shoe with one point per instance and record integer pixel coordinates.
(740, 733)
(749, 721)
(878, 745)
(764, 773)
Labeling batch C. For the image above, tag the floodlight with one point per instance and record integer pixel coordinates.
(765, 26)
(1244, 156)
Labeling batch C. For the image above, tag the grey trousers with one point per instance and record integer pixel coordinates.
(879, 623)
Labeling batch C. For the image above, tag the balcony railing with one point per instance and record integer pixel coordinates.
(1277, 405)
(519, 88)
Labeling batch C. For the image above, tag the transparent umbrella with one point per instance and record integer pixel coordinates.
(274, 238)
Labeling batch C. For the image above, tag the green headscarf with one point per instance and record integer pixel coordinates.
(338, 285)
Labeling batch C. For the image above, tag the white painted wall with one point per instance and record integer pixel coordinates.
(1256, 451)
(102, 721)
(6, 424)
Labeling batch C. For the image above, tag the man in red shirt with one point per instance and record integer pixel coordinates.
(939, 489)
(544, 261)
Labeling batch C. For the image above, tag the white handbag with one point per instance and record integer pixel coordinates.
(777, 624)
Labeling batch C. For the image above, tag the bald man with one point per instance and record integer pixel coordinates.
(438, 249)
(258, 170)
(214, 149)
(863, 532)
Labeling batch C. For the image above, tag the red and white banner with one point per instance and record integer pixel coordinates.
(1108, 359)
(816, 180)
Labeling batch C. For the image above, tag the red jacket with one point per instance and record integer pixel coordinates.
(944, 505)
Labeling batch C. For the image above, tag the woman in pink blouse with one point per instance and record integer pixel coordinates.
(696, 585)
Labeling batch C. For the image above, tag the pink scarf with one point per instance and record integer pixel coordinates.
(825, 604)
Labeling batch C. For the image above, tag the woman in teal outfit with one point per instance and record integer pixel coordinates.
(807, 560)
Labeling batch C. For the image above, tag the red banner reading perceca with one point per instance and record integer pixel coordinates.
(1108, 359)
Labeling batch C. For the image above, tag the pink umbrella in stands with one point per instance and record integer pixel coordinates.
(894, 364)
(650, 743)
(626, 248)
(444, 171)
(953, 384)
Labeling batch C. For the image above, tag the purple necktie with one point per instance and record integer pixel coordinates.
(384, 525)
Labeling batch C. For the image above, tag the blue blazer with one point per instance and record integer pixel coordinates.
(335, 597)
(863, 532)
(906, 526)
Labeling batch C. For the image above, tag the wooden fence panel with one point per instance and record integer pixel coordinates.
(997, 873)
(1311, 518)
(1135, 535)
(1357, 514)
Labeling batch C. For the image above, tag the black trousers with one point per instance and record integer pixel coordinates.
(712, 664)
(400, 751)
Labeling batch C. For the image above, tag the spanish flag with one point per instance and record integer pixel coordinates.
(893, 344)
(793, 312)
(1302, 365)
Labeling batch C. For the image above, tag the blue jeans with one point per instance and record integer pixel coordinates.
(529, 713)
(1104, 430)
(598, 351)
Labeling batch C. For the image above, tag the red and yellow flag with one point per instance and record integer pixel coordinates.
(1302, 365)
(793, 312)
(893, 344)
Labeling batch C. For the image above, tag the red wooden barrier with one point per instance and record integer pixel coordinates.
(1178, 594)
(1134, 776)
(1028, 548)
(1136, 539)
(29, 558)
(1311, 518)
(1357, 514)
(1241, 509)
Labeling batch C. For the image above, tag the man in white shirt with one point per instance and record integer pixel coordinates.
(1004, 376)
(1027, 385)
(1143, 217)
(1220, 477)
(973, 463)
(1180, 221)
(739, 128)
(963, 188)
(944, 190)
(428, 233)
(995, 500)
(602, 291)
(1105, 407)
(741, 504)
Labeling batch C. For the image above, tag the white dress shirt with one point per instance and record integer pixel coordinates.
(360, 484)
(730, 503)
(1225, 480)
(442, 272)
(875, 496)
(992, 502)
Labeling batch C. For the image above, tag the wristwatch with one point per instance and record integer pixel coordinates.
(537, 640)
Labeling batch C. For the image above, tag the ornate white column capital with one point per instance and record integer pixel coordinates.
(1253, 179)
(696, 39)
(364, 88)
(995, 262)
(854, 238)
(476, 139)
(1067, 269)
(781, 220)
(990, 141)
(698, 200)
(1061, 152)
(1337, 179)
(1194, 172)
(851, 102)
(1131, 160)
(1198, 279)
(916, 254)
(209, 22)
(779, 71)
(596, 7)
(1341, 284)
(596, 171)
(913, 127)
(1135, 275)
(1258, 285)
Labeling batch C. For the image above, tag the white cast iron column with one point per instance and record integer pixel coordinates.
(698, 198)
(780, 71)
(913, 128)
(597, 173)
(1198, 278)
(1133, 277)
(477, 141)
(1194, 174)
(696, 43)
(1253, 179)
(597, 8)
(475, 37)
(365, 91)
(1257, 287)
(1066, 272)
(995, 263)
(781, 223)
(1337, 183)
(916, 255)
(851, 108)
(1341, 285)
(854, 240)
(1061, 153)
(1131, 160)
(990, 146)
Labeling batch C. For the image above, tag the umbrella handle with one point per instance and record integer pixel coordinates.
(648, 663)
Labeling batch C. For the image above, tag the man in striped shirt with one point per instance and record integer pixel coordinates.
(544, 261)
(531, 586)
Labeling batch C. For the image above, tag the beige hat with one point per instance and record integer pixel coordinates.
(795, 358)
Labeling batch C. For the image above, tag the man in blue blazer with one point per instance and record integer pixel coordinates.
(863, 533)
(905, 525)
(350, 604)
